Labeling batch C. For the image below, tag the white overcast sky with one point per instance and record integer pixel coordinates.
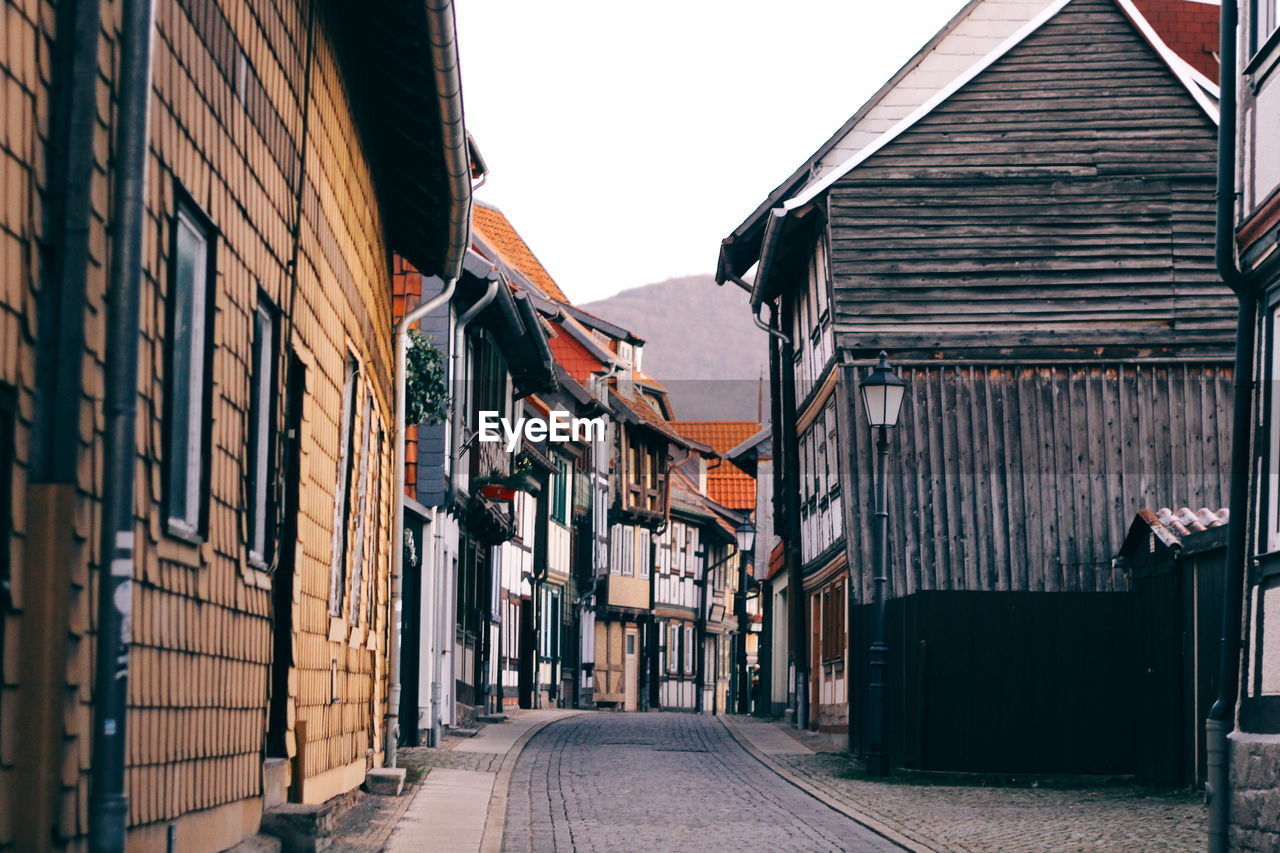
(625, 139)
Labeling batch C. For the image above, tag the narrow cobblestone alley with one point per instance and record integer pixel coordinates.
(600, 782)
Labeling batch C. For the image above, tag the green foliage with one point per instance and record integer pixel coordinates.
(426, 394)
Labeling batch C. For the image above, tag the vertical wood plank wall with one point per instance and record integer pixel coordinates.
(1025, 476)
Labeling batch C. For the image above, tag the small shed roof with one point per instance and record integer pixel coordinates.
(1165, 529)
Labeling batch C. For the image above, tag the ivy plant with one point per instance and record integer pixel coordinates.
(426, 395)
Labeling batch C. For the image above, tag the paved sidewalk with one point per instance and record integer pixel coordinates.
(466, 782)
(975, 818)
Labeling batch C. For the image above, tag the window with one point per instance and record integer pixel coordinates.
(673, 648)
(1266, 16)
(688, 649)
(561, 484)
(833, 617)
(1272, 528)
(820, 451)
(375, 460)
(357, 549)
(811, 323)
(189, 322)
(644, 552)
(549, 642)
(342, 490)
(262, 435)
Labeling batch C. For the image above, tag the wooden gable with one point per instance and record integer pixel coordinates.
(1061, 202)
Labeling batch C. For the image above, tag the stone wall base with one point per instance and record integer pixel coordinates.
(1255, 792)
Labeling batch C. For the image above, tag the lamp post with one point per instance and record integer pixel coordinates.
(882, 393)
(746, 535)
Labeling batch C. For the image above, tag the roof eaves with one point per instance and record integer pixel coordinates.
(750, 444)
(576, 332)
(591, 321)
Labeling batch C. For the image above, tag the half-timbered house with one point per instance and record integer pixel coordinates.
(1023, 218)
(755, 457)
(677, 603)
(1244, 726)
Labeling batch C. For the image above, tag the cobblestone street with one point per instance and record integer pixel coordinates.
(976, 818)
(599, 782)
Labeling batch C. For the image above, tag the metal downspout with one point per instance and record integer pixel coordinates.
(1222, 714)
(399, 534)
(437, 656)
(457, 165)
(108, 802)
(787, 446)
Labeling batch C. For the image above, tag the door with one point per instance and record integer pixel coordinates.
(815, 660)
(528, 653)
(282, 579)
(630, 671)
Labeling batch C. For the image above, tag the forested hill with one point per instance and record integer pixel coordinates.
(700, 341)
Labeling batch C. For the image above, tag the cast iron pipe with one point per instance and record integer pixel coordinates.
(1222, 714)
(108, 802)
(457, 166)
(788, 445)
(399, 534)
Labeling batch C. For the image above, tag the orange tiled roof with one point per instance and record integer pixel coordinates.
(727, 484)
(649, 415)
(721, 436)
(570, 354)
(494, 229)
(1189, 28)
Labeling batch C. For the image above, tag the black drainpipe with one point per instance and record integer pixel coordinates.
(108, 802)
(60, 336)
(1222, 715)
(786, 452)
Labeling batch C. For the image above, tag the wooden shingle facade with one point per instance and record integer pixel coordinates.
(1033, 246)
(260, 597)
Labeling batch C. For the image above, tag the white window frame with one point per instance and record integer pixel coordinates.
(190, 295)
(262, 435)
(1265, 15)
(361, 508)
(341, 498)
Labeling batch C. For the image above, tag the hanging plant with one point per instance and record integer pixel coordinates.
(426, 395)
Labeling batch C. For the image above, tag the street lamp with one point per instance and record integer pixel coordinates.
(746, 536)
(882, 393)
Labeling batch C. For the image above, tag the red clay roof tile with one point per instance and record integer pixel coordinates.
(727, 484)
(1189, 28)
(496, 231)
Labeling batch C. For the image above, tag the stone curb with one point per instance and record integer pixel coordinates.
(496, 818)
(895, 834)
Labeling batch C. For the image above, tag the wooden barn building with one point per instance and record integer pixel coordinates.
(1023, 219)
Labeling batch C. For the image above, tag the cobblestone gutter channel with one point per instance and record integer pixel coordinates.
(926, 816)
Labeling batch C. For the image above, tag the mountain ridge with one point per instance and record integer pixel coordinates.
(700, 342)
